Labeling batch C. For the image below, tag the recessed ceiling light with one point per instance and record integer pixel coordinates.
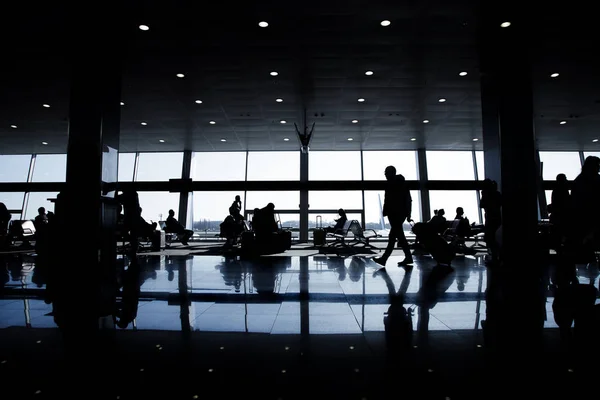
(180, 75)
(505, 24)
(161, 140)
(595, 140)
(442, 100)
(46, 105)
(286, 139)
(385, 22)
(274, 73)
(283, 121)
(223, 140)
(198, 101)
(350, 139)
(361, 100)
(45, 143)
(13, 126)
(475, 139)
(263, 24)
(144, 27)
(554, 75)
(463, 73)
(355, 121)
(425, 121)
(563, 122)
(279, 100)
(369, 73)
(212, 122)
(122, 103)
(413, 139)
(144, 123)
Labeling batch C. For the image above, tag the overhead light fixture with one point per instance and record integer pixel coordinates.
(413, 139)
(355, 121)
(283, 121)
(45, 143)
(505, 24)
(554, 75)
(286, 139)
(385, 22)
(442, 100)
(122, 103)
(144, 123)
(274, 73)
(475, 139)
(563, 122)
(425, 121)
(595, 140)
(279, 100)
(180, 75)
(263, 24)
(198, 101)
(463, 73)
(13, 126)
(350, 139)
(144, 27)
(369, 73)
(223, 140)
(212, 122)
(161, 140)
(361, 100)
(46, 105)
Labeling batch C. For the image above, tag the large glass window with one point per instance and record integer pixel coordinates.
(334, 166)
(375, 163)
(37, 200)
(334, 199)
(450, 166)
(374, 206)
(50, 168)
(126, 166)
(480, 165)
(449, 200)
(12, 201)
(226, 166)
(274, 166)
(159, 166)
(156, 205)
(328, 219)
(14, 168)
(560, 162)
(283, 200)
(211, 208)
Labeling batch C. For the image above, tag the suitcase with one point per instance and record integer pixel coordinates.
(436, 245)
(319, 233)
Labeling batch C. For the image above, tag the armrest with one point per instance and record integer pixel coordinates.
(374, 233)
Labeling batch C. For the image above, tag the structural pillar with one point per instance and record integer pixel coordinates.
(184, 196)
(304, 206)
(424, 189)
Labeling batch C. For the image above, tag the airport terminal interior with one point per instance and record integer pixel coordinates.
(298, 200)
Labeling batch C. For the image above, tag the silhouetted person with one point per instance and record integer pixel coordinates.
(585, 197)
(264, 221)
(41, 219)
(438, 221)
(491, 203)
(339, 223)
(560, 208)
(173, 226)
(5, 218)
(145, 230)
(461, 223)
(397, 206)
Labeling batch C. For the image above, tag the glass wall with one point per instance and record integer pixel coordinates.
(50, 168)
(13, 201)
(375, 163)
(156, 205)
(334, 166)
(274, 166)
(209, 209)
(156, 167)
(226, 166)
(126, 167)
(283, 200)
(333, 200)
(449, 200)
(560, 162)
(480, 165)
(374, 206)
(450, 166)
(14, 168)
(37, 200)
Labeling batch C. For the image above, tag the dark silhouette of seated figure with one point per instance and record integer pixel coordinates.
(491, 203)
(40, 220)
(438, 222)
(145, 230)
(461, 223)
(560, 207)
(264, 223)
(235, 210)
(339, 223)
(173, 226)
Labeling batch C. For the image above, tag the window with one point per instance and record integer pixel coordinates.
(156, 205)
(560, 162)
(159, 166)
(334, 166)
(126, 167)
(50, 168)
(13, 201)
(334, 200)
(374, 205)
(283, 200)
(210, 208)
(375, 163)
(450, 166)
(228, 166)
(14, 168)
(449, 200)
(274, 166)
(37, 200)
(479, 158)
(328, 219)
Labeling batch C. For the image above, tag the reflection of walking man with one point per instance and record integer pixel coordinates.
(397, 206)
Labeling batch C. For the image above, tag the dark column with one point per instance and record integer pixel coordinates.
(510, 159)
(184, 196)
(422, 176)
(304, 206)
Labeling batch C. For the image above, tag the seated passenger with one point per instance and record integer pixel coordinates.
(145, 230)
(173, 226)
(339, 223)
(438, 222)
(264, 221)
(41, 219)
(461, 224)
(4, 217)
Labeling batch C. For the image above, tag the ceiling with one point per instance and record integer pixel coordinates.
(321, 51)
